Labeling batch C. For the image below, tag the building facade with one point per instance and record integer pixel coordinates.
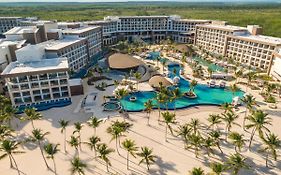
(7, 23)
(275, 70)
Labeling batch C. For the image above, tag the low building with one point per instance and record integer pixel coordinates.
(37, 82)
(7, 23)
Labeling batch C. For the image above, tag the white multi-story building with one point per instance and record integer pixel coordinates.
(34, 81)
(7, 23)
(93, 35)
(245, 45)
(275, 70)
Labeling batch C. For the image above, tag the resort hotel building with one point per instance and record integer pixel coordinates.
(245, 45)
(35, 81)
(7, 23)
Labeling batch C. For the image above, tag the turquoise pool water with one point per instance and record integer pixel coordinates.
(154, 55)
(206, 95)
(214, 67)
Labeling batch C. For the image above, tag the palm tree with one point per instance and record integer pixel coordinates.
(250, 102)
(208, 143)
(229, 119)
(195, 142)
(169, 118)
(176, 94)
(272, 143)
(137, 76)
(214, 120)
(104, 151)
(38, 136)
(197, 171)
(184, 131)
(92, 143)
(192, 85)
(63, 125)
(116, 132)
(250, 77)
(130, 147)
(237, 75)
(74, 142)
(31, 115)
(5, 131)
(51, 150)
(216, 135)
(233, 88)
(78, 127)
(10, 148)
(235, 163)
(226, 107)
(148, 107)
(161, 99)
(164, 63)
(77, 166)
(146, 156)
(258, 121)
(210, 71)
(94, 122)
(217, 168)
(237, 140)
(194, 125)
(120, 94)
(9, 113)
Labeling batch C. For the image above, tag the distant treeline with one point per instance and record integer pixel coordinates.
(267, 15)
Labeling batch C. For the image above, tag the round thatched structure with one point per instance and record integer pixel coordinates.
(156, 80)
(123, 61)
(182, 48)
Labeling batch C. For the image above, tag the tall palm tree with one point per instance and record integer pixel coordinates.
(176, 94)
(250, 77)
(94, 122)
(148, 107)
(233, 88)
(77, 166)
(169, 118)
(237, 75)
(146, 156)
(272, 143)
(237, 140)
(78, 127)
(195, 142)
(235, 163)
(229, 119)
(92, 143)
(161, 99)
(104, 151)
(250, 102)
(38, 136)
(214, 120)
(74, 142)
(195, 125)
(216, 135)
(9, 148)
(31, 115)
(5, 132)
(208, 143)
(63, 124)
(184, 131)
(258, 121)
(217, 168)
(137, 76)
(120, 94)
(130, 147)
(197, 171)
(164, 64)
(210, 71)
(9, 113)
(116, 132)
(51, 150)
(192, 85)
(226, 107)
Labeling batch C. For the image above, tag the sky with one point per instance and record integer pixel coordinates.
(137, 0)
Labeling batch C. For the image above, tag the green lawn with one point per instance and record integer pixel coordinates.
(266, 15)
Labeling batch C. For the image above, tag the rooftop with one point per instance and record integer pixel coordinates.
(80, 30)
(123, 61)
(36, 66)
(21, 30)
(59, 44)
(261, 38)
(7, 43)
(223, 27)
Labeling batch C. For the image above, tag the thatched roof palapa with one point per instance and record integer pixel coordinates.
(156, 80)
(123, 61)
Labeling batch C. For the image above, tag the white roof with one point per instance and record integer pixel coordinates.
(263, 38)
(59, 44)
(7, 43)
(21, 30)
(35, 66)
(80, 30)
(75, 82)
(223, 27)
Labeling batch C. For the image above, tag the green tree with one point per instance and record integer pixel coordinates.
(138, 77)
(195, 142)
(195, 125)
(258, 121)
(38, 136)
(104, 151)
(271, 144)
(176, 94)
(235, 163)
(92, 143)
(161, 99)
(184, 132)
(229, 119)
(148, 107)
(208, 143)
(217, 168)
(214, 120)
(77, 166)
(51, 150)
(250, 102)
(216, 136)
(63, 124)
(74, 142)
(94, 122)
(78, 127)
(210, 71)
(197, 171)
(233, 88)
(237, 140)
(5, 132)
(31, 115)
(169, 118)
(146, 156)
(130, 147)
(10, 148)
(226, 107)
(120, 94)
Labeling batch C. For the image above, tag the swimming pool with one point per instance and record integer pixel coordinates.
(155, 55)
(206, 95)
(213, 67)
